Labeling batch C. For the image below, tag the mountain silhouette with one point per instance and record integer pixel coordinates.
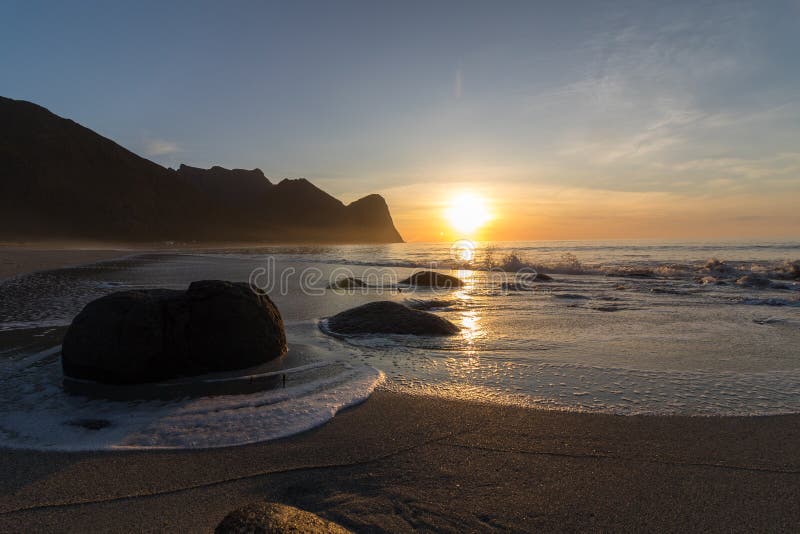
(61, 180)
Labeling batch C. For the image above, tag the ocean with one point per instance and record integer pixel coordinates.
(623, 327)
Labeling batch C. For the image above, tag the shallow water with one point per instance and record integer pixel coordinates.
(665, 341)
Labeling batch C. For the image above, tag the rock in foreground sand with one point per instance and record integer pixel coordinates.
(134, 337)
(387, 317)
(273, 518)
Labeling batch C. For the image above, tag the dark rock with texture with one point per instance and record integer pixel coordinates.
(274, 518)
(754, 281)
(387, 317)
(140, 336)
(347, 283)
(433, 279)
(515, 286)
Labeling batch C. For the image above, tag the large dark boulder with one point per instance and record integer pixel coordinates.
(433, 279)
(387, 317)
(274, 518)
(140, 336)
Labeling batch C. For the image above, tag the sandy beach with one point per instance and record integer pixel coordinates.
(399, 463)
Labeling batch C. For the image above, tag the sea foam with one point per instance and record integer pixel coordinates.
(39, 415)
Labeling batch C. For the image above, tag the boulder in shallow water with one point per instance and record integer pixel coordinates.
(516, 286)
(274, 518)
(793, 270)
(140, 336)
(387, 317)
(754, 281)
(347, 283)
(717, 267)
(632, 272)
(433, 279)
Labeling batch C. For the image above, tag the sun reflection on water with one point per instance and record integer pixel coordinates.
(471, 327)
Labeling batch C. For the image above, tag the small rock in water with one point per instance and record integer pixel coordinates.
(433, 279)
(538, 277)
(274, 518)
(610, 308)
(769, 320)
(793, 270)
(571, 296)
(754, 281)
(515, 286)
(347, 283)
(716, 266)
(632, 272)
(387, 317)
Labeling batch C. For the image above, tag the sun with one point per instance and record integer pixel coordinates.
(467, 212)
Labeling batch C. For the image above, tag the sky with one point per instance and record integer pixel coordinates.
(567, 120)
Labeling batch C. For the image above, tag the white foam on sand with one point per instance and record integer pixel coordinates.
(39, 415)
(581, 388)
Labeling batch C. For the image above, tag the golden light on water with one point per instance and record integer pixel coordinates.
(467, 212)
(466, 254)
(471, 327)
(463, 251)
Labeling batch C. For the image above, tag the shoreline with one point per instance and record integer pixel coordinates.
(17, 261)
(398, 462)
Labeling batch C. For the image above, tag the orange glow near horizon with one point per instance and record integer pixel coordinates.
(479, 211)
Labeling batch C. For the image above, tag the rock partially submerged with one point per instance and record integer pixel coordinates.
(387, 317)
(632, 272)
(274, 518)
(717, 268)
(709, 280)
(134, 337)
(516, 286)
(433, 279)
(791, 270)
(347, 283)
(754, 281)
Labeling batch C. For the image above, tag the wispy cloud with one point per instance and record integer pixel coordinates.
(160, 147)
(671, 101)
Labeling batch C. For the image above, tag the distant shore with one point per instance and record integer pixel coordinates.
(398, 463)
(16, 260)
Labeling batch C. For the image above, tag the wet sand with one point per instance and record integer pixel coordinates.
(398, 463)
